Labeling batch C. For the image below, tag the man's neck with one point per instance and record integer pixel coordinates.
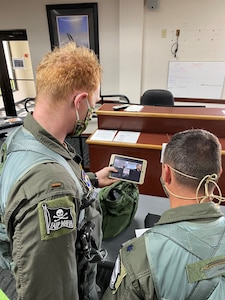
(175, 202)
(51, 122)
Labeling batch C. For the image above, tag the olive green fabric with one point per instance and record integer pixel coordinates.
(55, 268)
(119, 203)
(5, 251)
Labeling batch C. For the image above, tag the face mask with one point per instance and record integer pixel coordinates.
(164, 188)
(82, 125)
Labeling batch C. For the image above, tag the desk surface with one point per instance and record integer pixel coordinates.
(163, 120)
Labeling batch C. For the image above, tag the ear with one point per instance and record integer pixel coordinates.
(166, 173)
(79, 98)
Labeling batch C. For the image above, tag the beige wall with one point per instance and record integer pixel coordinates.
(133, 53)
(24, 76)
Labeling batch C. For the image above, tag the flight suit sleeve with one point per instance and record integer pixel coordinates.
(43, 230)
(131, 277)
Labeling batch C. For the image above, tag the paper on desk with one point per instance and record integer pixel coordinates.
(162, 152)
(139, 232)
(104, 135)
(127, 136)
(134, 108)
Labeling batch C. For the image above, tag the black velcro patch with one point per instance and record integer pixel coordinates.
(57, 217)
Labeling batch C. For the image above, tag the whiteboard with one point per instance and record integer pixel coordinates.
(196, 79)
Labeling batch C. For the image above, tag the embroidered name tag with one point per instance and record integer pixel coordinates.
(57, 217)
(206, 269)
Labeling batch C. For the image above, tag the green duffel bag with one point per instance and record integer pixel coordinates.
(119, 203)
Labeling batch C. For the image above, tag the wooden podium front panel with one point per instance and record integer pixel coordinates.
(163, 120)
(161, 125)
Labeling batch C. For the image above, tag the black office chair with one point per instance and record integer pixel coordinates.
(29, 104)
(157, 97)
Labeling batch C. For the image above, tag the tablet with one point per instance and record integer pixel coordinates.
(130, 169)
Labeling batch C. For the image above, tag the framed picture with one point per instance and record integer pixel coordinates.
(74, 22)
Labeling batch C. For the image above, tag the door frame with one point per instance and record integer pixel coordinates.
(7, 95)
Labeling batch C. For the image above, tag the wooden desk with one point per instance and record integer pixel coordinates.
(200, 100)
(156, 125)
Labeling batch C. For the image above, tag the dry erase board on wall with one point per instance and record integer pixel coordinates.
(196, 79)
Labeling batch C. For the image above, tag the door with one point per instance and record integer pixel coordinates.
(16, 73)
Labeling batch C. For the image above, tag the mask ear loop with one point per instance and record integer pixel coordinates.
(78, 118)
(185, 175)
(90, 110)
(89, 113)
(210, 179)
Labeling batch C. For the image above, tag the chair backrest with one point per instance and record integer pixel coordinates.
(29, 104)
(157, 97)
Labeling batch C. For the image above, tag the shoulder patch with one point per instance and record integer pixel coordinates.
(119, 272)
(56, 217)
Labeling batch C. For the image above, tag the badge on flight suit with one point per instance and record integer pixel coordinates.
(57, 217)
(119, 272)
(86, 179)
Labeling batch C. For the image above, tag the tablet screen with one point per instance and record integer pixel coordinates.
(129, 168)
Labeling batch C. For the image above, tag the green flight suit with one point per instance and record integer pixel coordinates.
(42, 217)
(132, 276)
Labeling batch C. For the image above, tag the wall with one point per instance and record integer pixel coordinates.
(202, 36)
(24, 76)
(135, 42)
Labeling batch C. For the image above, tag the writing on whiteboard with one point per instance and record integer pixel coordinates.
(196, 79)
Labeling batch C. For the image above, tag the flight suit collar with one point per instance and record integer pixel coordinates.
(191, 212)
(48, 140)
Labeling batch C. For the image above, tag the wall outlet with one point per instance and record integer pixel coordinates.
(163, 33)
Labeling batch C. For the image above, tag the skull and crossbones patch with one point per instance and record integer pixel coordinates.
(57, 217)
